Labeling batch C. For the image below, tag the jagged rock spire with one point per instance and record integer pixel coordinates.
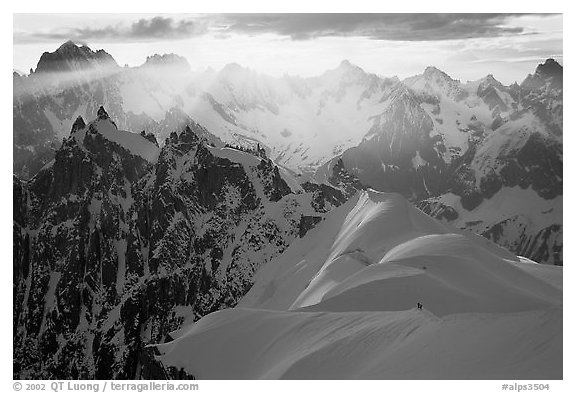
(102, 114)
(79, 124)
(188, 135)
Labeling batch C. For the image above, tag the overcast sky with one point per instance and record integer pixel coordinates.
(466, 46)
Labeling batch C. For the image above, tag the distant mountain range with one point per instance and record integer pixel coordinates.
(465, 152)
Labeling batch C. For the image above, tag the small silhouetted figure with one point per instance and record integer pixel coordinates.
(556, 256)
(419, 305)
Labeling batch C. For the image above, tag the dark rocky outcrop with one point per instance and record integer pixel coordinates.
(112, 252)
(307, 223)
(324, 197)
(384, 160)
(79, 124)
(71, 57)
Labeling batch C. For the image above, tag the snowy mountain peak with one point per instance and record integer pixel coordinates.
(434, 73)
(234, 69)
(71, 57)
(489, 81)
(549, 73)
(236, 74)
(550, 68)
(168, 59)
(346, 73)
(68, 46)
(346, 67)
(437, 83)
(345, 63)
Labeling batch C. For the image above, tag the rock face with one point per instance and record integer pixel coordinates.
(114, 247)
(399, 154)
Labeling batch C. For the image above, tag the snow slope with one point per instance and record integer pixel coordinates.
(259, 344)
(508, 202)
(340, 304)
(516, 218)
(134, 143)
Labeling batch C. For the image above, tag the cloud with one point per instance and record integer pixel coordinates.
(390, 27)
(154, 29)
(538, 59)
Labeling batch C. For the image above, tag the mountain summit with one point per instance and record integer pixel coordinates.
(547, 75)
(71, 57)
(167, 60)
(550, 68)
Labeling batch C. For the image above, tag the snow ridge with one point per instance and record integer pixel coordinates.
(340, 304)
